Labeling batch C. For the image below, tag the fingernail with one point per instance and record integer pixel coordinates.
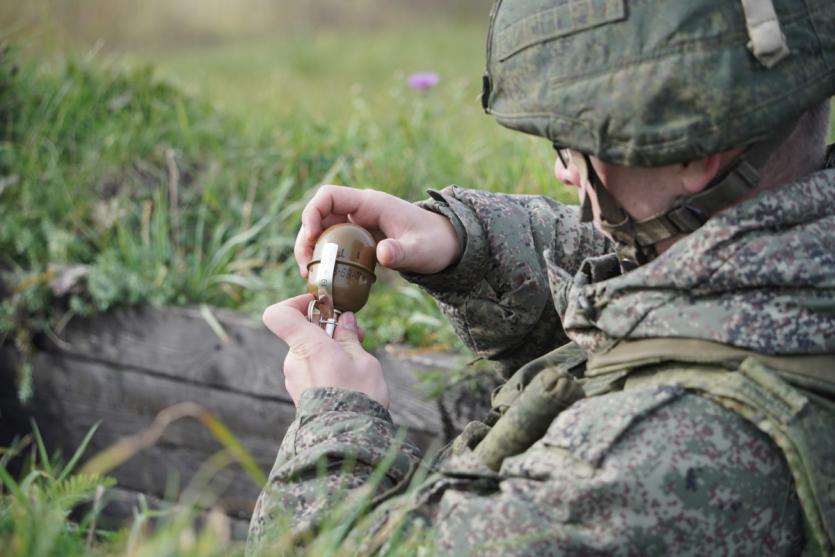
(388, 254)
(349, 321)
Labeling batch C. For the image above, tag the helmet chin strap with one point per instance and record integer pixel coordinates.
(635, 240)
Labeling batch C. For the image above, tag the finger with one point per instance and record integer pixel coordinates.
(312, 218)
(305, 243)
(302, 251)
(403, 255)
(390, 253)
(327, 201)
(371, 209)
(347, 332)
(288, 320)
(334, 219)
(361, 334)
(367, 208)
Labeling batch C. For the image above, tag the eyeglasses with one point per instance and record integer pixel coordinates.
(563, 152)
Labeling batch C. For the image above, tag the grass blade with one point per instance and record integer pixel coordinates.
(44, 456)
(78, 452)
(10, 484)
(126, 448)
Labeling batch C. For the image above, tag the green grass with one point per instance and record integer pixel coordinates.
(143, 193)
(250, 128)
(51, 507)
(351, 86)
(130, 190)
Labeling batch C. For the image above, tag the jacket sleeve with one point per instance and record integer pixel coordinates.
(338, 440)
(499, 295)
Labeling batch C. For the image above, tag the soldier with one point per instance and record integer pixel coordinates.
(672, 367)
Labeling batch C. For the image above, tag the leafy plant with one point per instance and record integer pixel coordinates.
(35, 510)
(120, 189)
(53, 510)
(49, 509)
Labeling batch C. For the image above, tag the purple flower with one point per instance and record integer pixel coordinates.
(423, 80)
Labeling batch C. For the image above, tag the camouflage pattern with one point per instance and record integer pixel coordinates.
(498, 296)
(525, 421)
(791, 412)
(633, 468)
(646, 472)
(606, 77)
(759, 276)
(726, 294)
(332, 426)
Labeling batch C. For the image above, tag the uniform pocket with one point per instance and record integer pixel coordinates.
(579, 438)
(591, 426)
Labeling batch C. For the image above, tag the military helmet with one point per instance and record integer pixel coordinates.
(654, 82)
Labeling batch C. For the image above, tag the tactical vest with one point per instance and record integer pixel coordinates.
(790, 398)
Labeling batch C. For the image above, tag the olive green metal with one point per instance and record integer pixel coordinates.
(653, 82)
(353, 269)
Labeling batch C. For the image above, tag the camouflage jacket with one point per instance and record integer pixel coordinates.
(654, 469)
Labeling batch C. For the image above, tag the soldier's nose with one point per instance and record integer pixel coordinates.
(567, 175)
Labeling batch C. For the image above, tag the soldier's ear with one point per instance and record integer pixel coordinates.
(695, 175)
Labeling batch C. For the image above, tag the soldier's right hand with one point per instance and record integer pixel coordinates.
(315, 360)
(410, 239)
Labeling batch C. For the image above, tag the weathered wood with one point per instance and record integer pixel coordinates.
(124, 367)
(179, 343)
(73, 394)
(120, 504)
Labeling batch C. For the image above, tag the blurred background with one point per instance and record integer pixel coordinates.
(182, 22)
(266, 51)
(154, 159)
(252, 103)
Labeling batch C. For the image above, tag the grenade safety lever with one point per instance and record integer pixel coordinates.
(340, 274)
(321, 308)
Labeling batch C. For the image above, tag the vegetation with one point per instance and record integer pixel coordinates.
(121, 183)
(54, 510)
(55, 507)
(118, 188)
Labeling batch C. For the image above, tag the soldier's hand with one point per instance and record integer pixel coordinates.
(316, 360)
(409, 238)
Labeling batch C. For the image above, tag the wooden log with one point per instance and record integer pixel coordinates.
(123, 367)
(120, 504)
(180, 343)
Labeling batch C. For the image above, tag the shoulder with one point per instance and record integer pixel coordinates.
(666, 467)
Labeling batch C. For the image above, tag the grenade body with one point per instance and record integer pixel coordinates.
(341, 273)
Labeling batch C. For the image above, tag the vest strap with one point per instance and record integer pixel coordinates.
(815, 372)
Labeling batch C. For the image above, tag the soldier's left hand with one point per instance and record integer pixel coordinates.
(316, 360)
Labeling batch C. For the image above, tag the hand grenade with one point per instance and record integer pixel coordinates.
(340, 274)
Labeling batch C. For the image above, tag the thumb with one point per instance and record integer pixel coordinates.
(390, 253)
(347, 332)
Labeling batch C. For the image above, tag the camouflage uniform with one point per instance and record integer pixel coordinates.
(710, 451)
(650, 469)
